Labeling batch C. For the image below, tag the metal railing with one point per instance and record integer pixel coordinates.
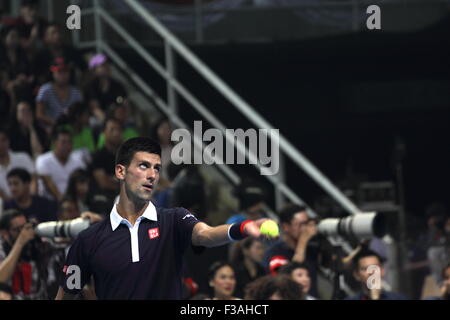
(355, 9)
(174, 86)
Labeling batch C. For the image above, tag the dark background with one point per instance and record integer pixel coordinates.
(342, 101)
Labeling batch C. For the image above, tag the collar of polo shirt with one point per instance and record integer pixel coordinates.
(116, 219)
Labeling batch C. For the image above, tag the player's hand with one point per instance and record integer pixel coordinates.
(253, 228)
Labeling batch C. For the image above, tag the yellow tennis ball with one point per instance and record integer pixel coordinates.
(270, 229)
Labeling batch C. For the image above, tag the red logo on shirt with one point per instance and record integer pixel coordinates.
(153, 233)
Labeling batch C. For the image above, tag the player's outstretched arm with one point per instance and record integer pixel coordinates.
(207, 236)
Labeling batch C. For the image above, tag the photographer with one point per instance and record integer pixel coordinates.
(365, 263)
(295, 244)
(25, 261)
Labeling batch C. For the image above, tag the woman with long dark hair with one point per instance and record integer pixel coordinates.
(222, 281)
(245, 260)
(78, 190)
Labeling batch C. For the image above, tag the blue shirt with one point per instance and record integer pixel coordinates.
(143, 261)
(54, 106)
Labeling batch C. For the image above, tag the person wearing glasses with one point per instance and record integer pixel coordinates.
(295, 245)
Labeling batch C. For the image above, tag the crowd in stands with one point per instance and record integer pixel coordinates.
(62, 119)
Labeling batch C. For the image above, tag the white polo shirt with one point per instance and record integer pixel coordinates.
(48, 165)
(116, 219)
(16, 160)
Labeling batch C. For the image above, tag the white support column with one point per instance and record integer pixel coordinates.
(172, 99)
(98, 27)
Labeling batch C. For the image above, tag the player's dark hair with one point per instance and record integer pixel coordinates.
(131, 146)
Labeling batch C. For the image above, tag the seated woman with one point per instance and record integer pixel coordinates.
(222, 281)
(76, 121)
(246, 260)
(300, 274)
(55, 97)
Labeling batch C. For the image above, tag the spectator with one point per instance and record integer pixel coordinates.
(119, 112)
(32, 206)
(222, 281)
(76, 121)
(279, 287)
(251, 201)
(54, 98)
(362, 262)
(294, 244)
(246, 260)
(445, 287)
(188, 191)
(78, 190)
(103, 90)
(15, 66)
(28, 136)
(54, 48)
(300, 274)
(68, 210)
(31, 26)
(10, 160)
(439, 251)
(162, 132)
(5, 292)
(435, 214)
(103, 168)
(25, 262)
(54, 167)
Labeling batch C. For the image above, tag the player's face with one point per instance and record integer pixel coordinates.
(301, 276)
(224, 282)
(142, 175)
